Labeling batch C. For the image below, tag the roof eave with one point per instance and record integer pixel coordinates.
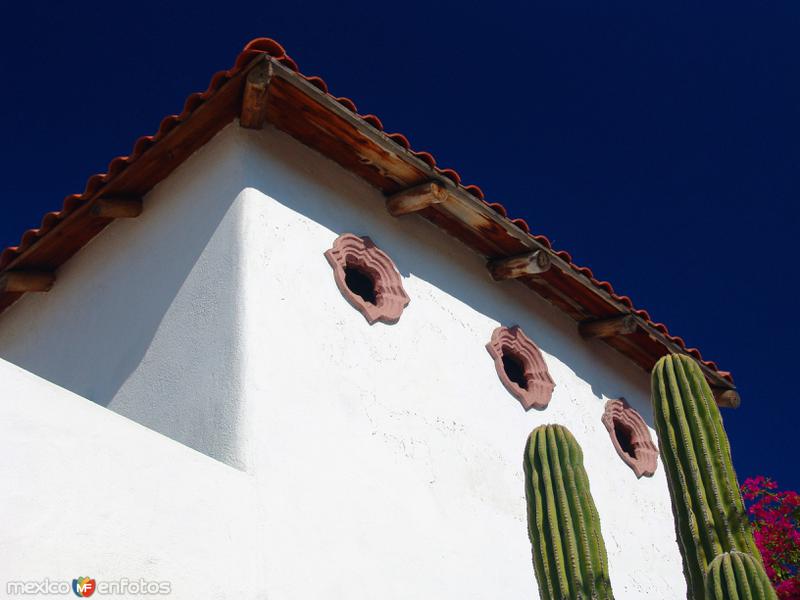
(297, 106)
(475, 223)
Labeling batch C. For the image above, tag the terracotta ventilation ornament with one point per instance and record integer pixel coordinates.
(631, 437)
(521, 367)
(367, 278)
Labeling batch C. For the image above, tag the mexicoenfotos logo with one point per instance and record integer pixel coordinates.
(83, 587)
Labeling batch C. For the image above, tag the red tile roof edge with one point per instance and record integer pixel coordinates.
(252, 50)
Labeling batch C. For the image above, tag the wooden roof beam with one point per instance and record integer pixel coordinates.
(521, 265)
(726, 397)
(116, 208)
(608, 327)
(256, 95)
(416, 198)
(26, 281)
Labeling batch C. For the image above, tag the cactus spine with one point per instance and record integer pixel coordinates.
(709, 513)
(737, 576)
(569, 556)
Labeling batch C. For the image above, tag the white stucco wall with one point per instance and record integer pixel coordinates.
(386, 460)
(87, 492)
(146, 320)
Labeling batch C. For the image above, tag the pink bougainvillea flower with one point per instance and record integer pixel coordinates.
(775, 516)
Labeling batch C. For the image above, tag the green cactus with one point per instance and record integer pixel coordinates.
(737, 576)
(569, 556)
(709, 514)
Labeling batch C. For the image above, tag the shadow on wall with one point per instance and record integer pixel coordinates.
(103, 331)
(146, 319)
(313, 186)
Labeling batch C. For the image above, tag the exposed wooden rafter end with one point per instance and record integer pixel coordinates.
(609, 327)
(726, 397)
(416, 198)
(521, 265)
(256, 94)
(117, 208)
(26, 281)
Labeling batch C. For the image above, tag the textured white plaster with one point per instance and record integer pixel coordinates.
(146, 319)
(89, 493)
(386, 460)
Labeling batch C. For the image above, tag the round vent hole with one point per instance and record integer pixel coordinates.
(514, 369)
(624, 435)
(360, 283)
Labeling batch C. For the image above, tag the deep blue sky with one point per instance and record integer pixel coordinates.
(659, 144)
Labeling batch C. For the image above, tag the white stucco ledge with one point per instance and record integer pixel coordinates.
(89, 492)
(244, 432)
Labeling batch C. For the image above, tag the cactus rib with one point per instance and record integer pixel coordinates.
(569, 556)
(708, 509)
(737, 576)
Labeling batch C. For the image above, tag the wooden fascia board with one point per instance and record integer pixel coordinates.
(471, 213)
(461, 205)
